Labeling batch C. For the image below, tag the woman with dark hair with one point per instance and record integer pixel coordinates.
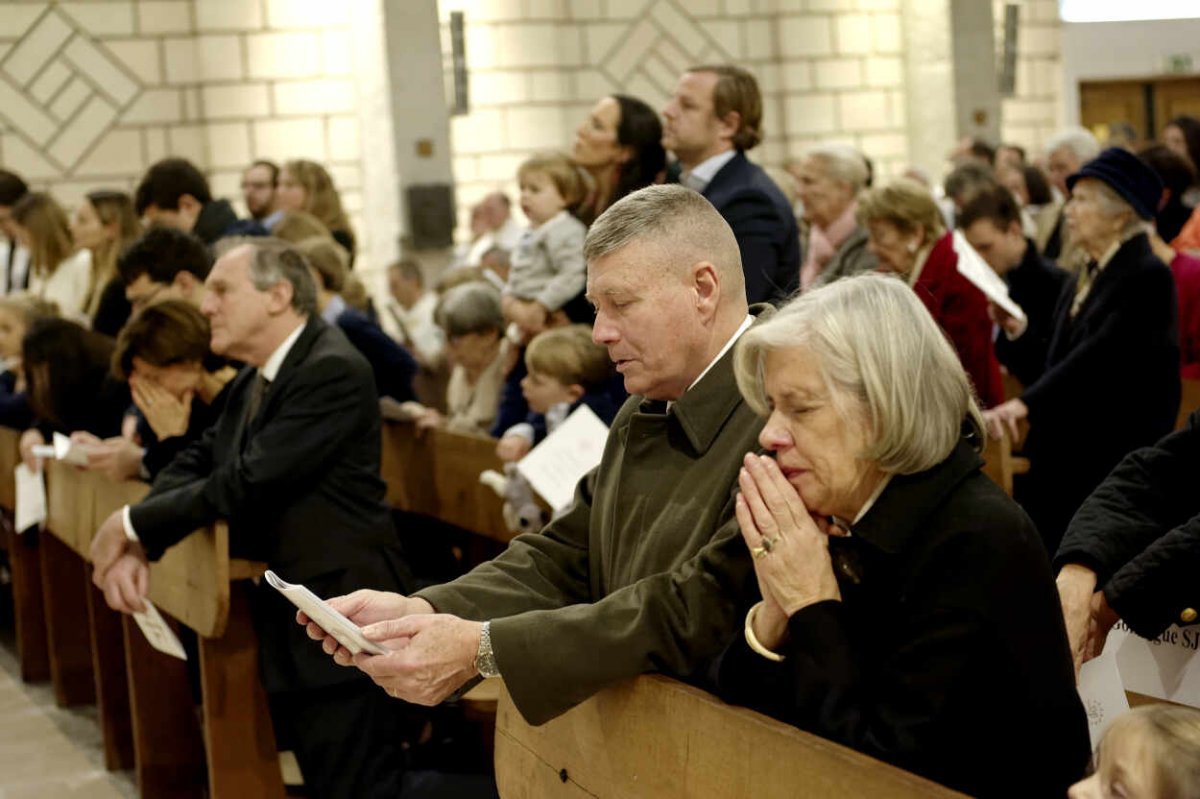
(70, 387)
(620, 147)
(177, 384)
(1177, 175)
(17, 312)
(1182, 134)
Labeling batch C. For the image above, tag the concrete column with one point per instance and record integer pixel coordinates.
(420, 121)
(929, 77)
(976, 88)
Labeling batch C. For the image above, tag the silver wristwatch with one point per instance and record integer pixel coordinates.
(485, 659)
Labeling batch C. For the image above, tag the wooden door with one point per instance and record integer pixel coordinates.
(1175, 97)
(1102, 104)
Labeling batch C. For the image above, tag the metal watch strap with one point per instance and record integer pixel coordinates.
(485, 660)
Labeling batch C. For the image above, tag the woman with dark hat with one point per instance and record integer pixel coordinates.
(1111, 382)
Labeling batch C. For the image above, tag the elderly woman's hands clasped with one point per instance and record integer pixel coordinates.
(790, 548)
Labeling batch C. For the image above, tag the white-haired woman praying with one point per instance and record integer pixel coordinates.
(908, 609)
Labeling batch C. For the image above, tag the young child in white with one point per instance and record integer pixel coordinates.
(548, 270)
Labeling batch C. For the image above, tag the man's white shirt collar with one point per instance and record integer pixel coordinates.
(271, 368)
(699, 178)
(749, 320)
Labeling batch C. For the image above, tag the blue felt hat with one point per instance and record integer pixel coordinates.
(1128, 176)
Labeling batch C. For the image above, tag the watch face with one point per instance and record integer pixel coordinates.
(487, 667)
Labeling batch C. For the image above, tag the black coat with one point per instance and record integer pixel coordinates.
(300, 487)
(1111, 385)
(947, 655)
(1035, 284)
(764, 225)
(391, 364)
(1140, 533)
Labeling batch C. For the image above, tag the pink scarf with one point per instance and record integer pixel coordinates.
(823, 244)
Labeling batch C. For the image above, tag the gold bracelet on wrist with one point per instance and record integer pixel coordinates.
(753, 641)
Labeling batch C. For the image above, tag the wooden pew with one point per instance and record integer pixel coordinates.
(196, 583)
(1000, 464)
(655, 737)
(29, 618)
(437, 474)
(146, 700)
(458, 460)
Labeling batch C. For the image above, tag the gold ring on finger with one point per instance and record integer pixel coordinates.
(769, 543)
(758, 552)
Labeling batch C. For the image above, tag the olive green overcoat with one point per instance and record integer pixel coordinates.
(645, 572)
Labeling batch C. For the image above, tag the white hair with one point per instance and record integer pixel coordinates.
(1079, 141)
(885, 362)
(844, 164)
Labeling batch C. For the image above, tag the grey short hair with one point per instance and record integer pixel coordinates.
(275, 261)
(885, 362)
(843, 163)
(681, 220)
(1079, 141)
(472, 307)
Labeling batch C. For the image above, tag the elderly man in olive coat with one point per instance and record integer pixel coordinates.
(646, 572)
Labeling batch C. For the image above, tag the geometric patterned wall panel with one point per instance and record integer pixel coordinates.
(61, 91)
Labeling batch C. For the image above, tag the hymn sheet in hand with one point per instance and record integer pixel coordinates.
(158, 632)
(30, 507)
(972, 266)
(344, 631)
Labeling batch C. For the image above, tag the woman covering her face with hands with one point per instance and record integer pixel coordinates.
(907, 606)
(177, 384)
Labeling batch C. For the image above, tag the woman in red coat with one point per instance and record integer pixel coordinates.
(908, 237)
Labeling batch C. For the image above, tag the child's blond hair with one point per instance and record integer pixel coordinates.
(1170, 735)
(569, 355)
(562, 173)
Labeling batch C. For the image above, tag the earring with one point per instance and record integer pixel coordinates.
(912, 246)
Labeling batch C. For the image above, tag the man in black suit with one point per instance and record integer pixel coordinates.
(991, 222)
(714, 116)
(293, 465)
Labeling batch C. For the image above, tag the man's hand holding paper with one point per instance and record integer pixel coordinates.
(364, 608)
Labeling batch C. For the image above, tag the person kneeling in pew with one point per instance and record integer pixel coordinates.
(644, 572)
(908, 609)
(293, 465)
(1132, 551)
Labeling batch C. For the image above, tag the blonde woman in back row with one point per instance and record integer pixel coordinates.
(59, 272)
(105, 223)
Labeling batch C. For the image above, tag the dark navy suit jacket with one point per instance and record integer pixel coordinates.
(765, 227)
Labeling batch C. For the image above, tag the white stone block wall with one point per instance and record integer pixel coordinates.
(92, 93)
(829, 70)
(1035, 112)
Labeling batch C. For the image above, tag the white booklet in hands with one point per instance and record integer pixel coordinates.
(344, 631)
(63, 449)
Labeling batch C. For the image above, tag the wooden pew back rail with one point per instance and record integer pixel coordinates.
(654, 737)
